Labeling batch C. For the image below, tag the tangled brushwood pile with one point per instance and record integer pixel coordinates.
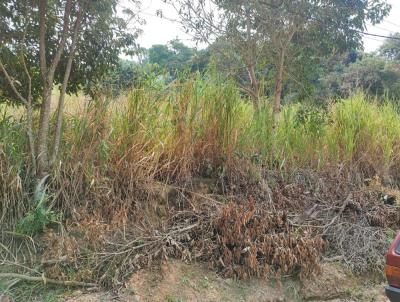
(308, 217)
(351, 216)
(237, 240)
(254, 241)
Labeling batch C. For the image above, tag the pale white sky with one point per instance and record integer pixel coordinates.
(389, 25)
(160, 31)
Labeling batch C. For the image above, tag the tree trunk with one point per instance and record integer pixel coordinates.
(42, 39)
(255, 87)
(47, 73)
(60, 112)
(43, 132)
(278, 85)
(60, 109)
(41, 152)
(29, 117)
(250, 64)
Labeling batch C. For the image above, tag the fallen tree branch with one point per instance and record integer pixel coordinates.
(46, 280)
(342, 208)
(127, 248)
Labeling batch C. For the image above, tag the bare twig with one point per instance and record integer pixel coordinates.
(342, 208)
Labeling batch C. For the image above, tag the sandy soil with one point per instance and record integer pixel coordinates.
(180, 282)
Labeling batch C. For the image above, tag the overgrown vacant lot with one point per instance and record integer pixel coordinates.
(190, 171)
(260, 162)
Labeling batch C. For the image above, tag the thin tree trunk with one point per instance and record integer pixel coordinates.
(60, 109)
(29, 117)
(43, 132)
(278, 85)
(60, 112)
(255, 87)
(48, 78)
(255, 90)
(42, 39)
(28, 103)
(41, 151)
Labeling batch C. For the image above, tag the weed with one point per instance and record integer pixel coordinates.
(185, 280)
(391, 234)
(197, 127)
(170, 298)
(37, 219)
(26, 291)
(113, 152)
(204, 283)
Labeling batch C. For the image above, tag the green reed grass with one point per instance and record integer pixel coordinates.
(198, 126)
(361, 131)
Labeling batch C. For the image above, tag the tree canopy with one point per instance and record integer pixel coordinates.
(279, 30)
(176, 57)
(102, 36)
(390, 49)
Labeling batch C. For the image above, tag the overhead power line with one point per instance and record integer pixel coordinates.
(379, 36)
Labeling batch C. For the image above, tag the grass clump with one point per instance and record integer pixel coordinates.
(363, 134)
(35, 292)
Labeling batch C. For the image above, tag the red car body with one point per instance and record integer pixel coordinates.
(392, 270)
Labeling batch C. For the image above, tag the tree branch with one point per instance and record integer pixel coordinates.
(46, 280)
(11, 83)
(42, 38)
(60, 49)
(60, 111)
(28, 105)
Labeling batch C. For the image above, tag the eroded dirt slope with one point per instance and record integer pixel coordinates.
(176, 281)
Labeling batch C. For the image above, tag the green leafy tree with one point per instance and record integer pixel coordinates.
(390, 48)
(373, 75)
(279, 30)
(160, 54)
(46, 43)
(129, 74)
(176, 57)
(341, 75)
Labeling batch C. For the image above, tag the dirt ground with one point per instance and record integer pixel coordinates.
(180, 282)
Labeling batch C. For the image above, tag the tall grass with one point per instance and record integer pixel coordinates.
(200, 126)
(364, 134)
(298, 137)
(14, 170)
(194, 124)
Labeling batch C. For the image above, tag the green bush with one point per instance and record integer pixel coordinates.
(35, 220)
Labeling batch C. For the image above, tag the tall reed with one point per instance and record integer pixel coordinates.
(197, 126)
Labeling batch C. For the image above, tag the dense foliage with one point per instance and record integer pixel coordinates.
(99, 44)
